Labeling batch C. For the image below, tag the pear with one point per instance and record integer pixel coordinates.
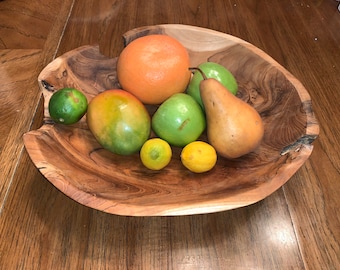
(234, 128)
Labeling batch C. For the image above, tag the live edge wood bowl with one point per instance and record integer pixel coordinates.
(72, 160)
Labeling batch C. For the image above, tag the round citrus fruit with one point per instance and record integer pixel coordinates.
(155, 154)
(67, 106)
(153, 68)
(119, 121)
(199, 156)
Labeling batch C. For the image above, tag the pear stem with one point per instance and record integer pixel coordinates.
(200, 70)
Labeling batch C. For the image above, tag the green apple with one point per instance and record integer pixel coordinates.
(179, 120)
(211, 70)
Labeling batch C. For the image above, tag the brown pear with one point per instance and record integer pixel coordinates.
(234, 127)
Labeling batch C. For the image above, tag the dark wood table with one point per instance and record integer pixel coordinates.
(297, 227)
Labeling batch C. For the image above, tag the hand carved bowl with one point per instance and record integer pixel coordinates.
(72, 160)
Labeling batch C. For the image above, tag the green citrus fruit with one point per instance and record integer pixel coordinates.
(67, 106)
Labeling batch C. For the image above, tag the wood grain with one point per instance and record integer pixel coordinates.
(16, 100)
(75, 163)
(31, 26)
(297, 227)
(18, 72)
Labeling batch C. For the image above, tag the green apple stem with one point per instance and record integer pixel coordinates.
(200, 70)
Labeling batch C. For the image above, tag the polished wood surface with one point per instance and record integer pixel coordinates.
(92, 176)
(297, 227)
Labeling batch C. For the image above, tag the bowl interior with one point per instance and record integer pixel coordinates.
(71, 159)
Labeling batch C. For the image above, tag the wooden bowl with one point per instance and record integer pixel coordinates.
(72, 160)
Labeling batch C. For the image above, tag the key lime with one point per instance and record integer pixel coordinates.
(199, 156)
(67, 106)
(155, 154)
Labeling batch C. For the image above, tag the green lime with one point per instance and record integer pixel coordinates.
(67, 106)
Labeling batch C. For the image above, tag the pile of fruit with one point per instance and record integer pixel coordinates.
(155, 71)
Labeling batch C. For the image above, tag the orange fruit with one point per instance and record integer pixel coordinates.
(153, 68)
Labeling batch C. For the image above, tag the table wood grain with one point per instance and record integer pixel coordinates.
(297, 227)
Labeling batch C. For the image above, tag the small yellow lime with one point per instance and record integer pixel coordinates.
(67, 106)
(155, 154)
(199, 156)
